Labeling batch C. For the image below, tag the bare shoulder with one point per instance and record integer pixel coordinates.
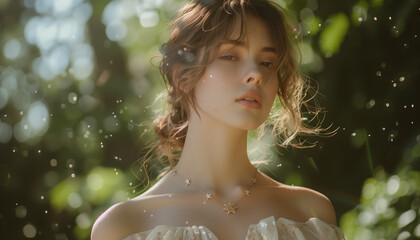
(116, 222)
(108, 224)
(311, 203)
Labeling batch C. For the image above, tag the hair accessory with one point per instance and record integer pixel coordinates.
(229, 207)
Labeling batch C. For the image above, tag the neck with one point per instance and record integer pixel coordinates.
(215, 156)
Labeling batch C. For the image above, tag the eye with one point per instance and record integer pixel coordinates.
(228, 58)
(267, 64)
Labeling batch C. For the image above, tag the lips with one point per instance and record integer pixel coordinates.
(250, 99)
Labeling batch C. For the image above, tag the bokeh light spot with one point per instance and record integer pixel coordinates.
(12, 49)
(406, 218)
(20, 211)
(29, 231)
(149, 19)
(74, 200)
(83, 221)
(95, 181)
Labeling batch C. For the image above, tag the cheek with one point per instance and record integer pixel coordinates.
(273, 88)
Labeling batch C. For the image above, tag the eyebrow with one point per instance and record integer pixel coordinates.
(242, 44)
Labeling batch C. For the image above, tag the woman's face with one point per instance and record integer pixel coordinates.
(236, 88)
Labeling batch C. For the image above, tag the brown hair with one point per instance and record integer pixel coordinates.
(198, 29)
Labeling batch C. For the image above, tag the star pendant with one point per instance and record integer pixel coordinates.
(187, 182)
(230, 208)
(208, 196)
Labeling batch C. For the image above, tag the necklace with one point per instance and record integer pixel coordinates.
(229, 207)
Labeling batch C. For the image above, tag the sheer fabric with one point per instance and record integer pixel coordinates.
(267, 229)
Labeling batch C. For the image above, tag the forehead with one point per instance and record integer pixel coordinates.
(253, 30)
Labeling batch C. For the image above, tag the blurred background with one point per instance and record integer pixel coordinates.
(79, 82)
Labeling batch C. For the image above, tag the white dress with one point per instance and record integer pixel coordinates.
(268, 229)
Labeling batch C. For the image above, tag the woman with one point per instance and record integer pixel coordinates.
(225, 63)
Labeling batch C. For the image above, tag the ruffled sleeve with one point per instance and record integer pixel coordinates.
(313, 229)
(164, 232)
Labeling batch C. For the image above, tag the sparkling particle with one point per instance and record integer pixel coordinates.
(383, 129)
(70, 165)
(389, 18)
(42, 197)
(402, 79)
(360, 19)
(353, 134)
(394, 84)
(370, 104)
(186, 222)
(387, 104)
(73, 175)
(151, 215)
(379, 74)
(39, 151)
(412, 105)
(72, 98)
(375, 18)
(279, 165)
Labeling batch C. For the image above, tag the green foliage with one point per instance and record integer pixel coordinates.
(389, 208)
(333, 34)
(98, 187)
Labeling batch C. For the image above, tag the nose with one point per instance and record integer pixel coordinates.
(253, 76)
